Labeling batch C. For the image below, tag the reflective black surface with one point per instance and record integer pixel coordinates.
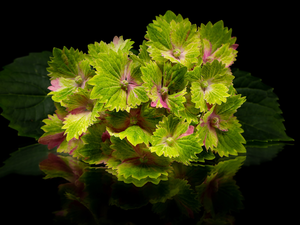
(266, 45)
(262, 191)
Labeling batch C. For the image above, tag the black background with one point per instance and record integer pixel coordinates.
(268, 49)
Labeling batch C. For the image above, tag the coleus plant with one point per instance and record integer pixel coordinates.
(172, 101)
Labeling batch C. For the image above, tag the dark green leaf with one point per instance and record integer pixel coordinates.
(23, 94)
(260, 115)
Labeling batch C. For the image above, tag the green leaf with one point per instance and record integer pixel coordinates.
(54, 134)
(25, 161)
(216, 94)
(217, 34)
(76, 124)
(137, 161)
(23, 94)
(143, 181)
(210, 84)
(231, 141)
(152, 75)
(169, 16)
(177, 41)
(176, 102)
(190, 112)
(224, 54)
(114, 85)
(137, 125)
(260, 115)
(232, 104)
(62, 88)
(64, 63)
(95, 49)
(221, 131)
(94, 151)
(169, 140)
(118, 43)
(135, 135)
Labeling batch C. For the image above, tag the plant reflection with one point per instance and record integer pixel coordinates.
(199, 194)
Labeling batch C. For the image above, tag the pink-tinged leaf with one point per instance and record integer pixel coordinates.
(60, 111)
(55, 85)
(189, 131)
(234, 46)
(207, 50)
(116, 40)
(65, 167)
(78, 110)
(58, 166)
(162, 102)
(105, 136)
(52, 140)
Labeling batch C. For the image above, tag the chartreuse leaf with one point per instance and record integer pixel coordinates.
(175, 40)
(64, 63)
(142, 182)
(95, 49)
(23, 94)
(232, 104)
(224, 54)
(135, 135)
(174, 138)
(217, 43)
(169, 16)
(212, 85)
(152, 76)
(96, 147)
(231, 141)
(107, 83)
(119, 43)
(137, 161)
(216, 34)
(61, 88)
(69, 71)
(260, 115)
(54, 134)
(159, 82)
(206, 132)
(144, 54)
(220, 130)
(114, 85)
(76, 124)
(137, 125)
(190, 112)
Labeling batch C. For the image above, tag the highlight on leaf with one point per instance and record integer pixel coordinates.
(165, 85)
(138, 164)
(174, 39)
(176, 139)
(218, 43)
(69, 70)
(220, 130)
(210, 84)
(117, 82)
(137, 125)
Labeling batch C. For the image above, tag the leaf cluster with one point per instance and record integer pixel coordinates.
(172, 101)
